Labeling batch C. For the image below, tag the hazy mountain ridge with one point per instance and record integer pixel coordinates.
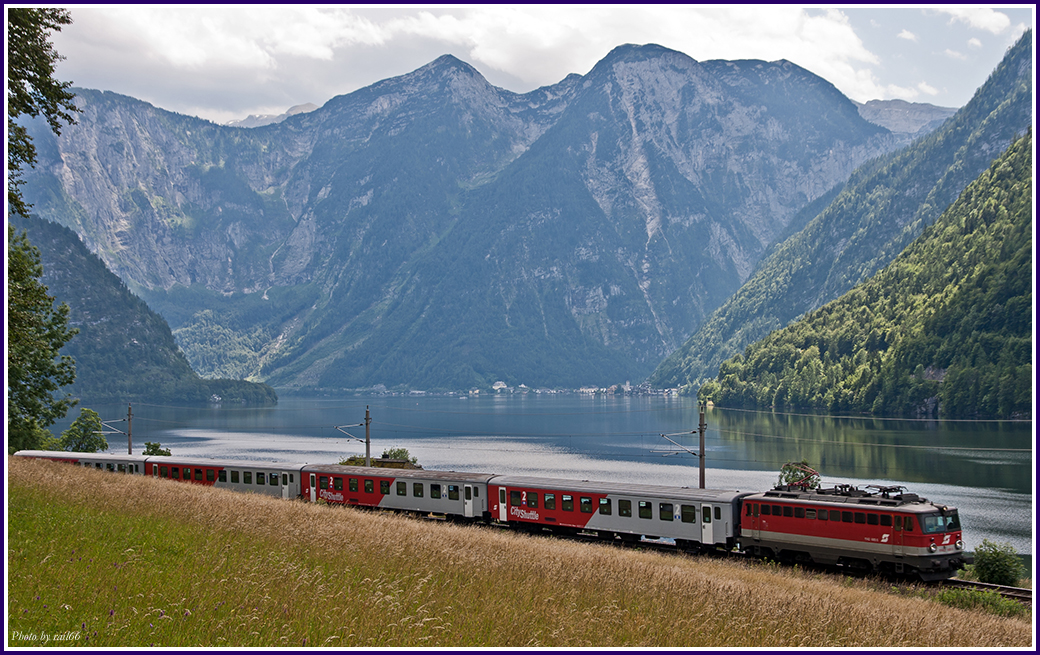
(327, 248)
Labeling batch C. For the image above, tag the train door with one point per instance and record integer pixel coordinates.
(897, 537)
(707, 529)
(503, 508)
(756, 531)
(285, 486)
(314, 489)
(467, 503)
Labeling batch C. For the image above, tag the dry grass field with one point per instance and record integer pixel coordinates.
(100, 559)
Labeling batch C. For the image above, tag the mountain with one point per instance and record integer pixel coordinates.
(259, 120)
(945, 328)
(883, 206)
(124, 351)
(915, 119)
(434, 231)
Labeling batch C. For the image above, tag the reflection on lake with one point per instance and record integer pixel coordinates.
(984, 468)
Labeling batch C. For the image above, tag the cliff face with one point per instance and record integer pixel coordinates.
(434, 230)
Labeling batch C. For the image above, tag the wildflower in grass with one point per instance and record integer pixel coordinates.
(111, 612)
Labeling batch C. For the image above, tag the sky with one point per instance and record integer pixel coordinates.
(224, 63)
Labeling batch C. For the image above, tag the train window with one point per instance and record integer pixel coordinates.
(211, 475)
(788, 511)
(822, 515)
(435, 489)
(469, 493)
(810, 514)
(860, 517)
(514, 498)
(234, 477)
(666, 512)
(370, 487)
(624, 508)
(835, 515)
(799, 512)
(110, 466)
(260, 479)
(886, 520)
(273, 480)
(402, 488)
(846, 517)
(586, 505)
(778, 510)
(872, 519)
(605, 506)
(222, 476)
(285, 479)
(337, 484)
(718, 513)
(453, 493)
(290, 477)
(164, 472)
(247, 477)
(898, 523)
(353, 484)
(688, 513)
(532, 499)
(323, 481)
(747, 509)
(476, 492)
(646, 510)
(550, 500)
(98, 465)
(384, 487)
(417, 489)
(706, 515)
(122, 468)
(175, 473)
(568, 503)
(198, 474)
(908, 524)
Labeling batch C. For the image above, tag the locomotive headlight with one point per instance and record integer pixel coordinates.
(932, 547)
(959, 544)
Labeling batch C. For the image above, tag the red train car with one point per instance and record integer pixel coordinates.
(885, 530)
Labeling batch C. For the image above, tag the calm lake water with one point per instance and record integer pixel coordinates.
(986, 469)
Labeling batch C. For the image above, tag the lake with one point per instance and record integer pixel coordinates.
(986, 469)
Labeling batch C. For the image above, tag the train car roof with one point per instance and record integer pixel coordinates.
(621, 488)
(225, 463)
(884, 498)
(386, 472)
(65, 454)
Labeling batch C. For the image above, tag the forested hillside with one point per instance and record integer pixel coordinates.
(946, 328)
(877, 213)
(124, 351)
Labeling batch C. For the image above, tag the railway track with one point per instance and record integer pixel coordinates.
(1024, 596)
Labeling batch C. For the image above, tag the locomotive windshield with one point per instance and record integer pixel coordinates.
(945, 522)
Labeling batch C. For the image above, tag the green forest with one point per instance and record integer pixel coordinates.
(124, 351)
(945, 329)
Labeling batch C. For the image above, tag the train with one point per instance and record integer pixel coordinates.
(878, 529)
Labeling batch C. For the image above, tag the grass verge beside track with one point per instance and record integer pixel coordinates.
(102, 559)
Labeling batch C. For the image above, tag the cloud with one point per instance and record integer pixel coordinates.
(953, 54)
(980, 18)
(974, 43)
(908, 35)
(927, 89)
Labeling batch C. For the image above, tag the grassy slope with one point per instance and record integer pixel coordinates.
(128, 561)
